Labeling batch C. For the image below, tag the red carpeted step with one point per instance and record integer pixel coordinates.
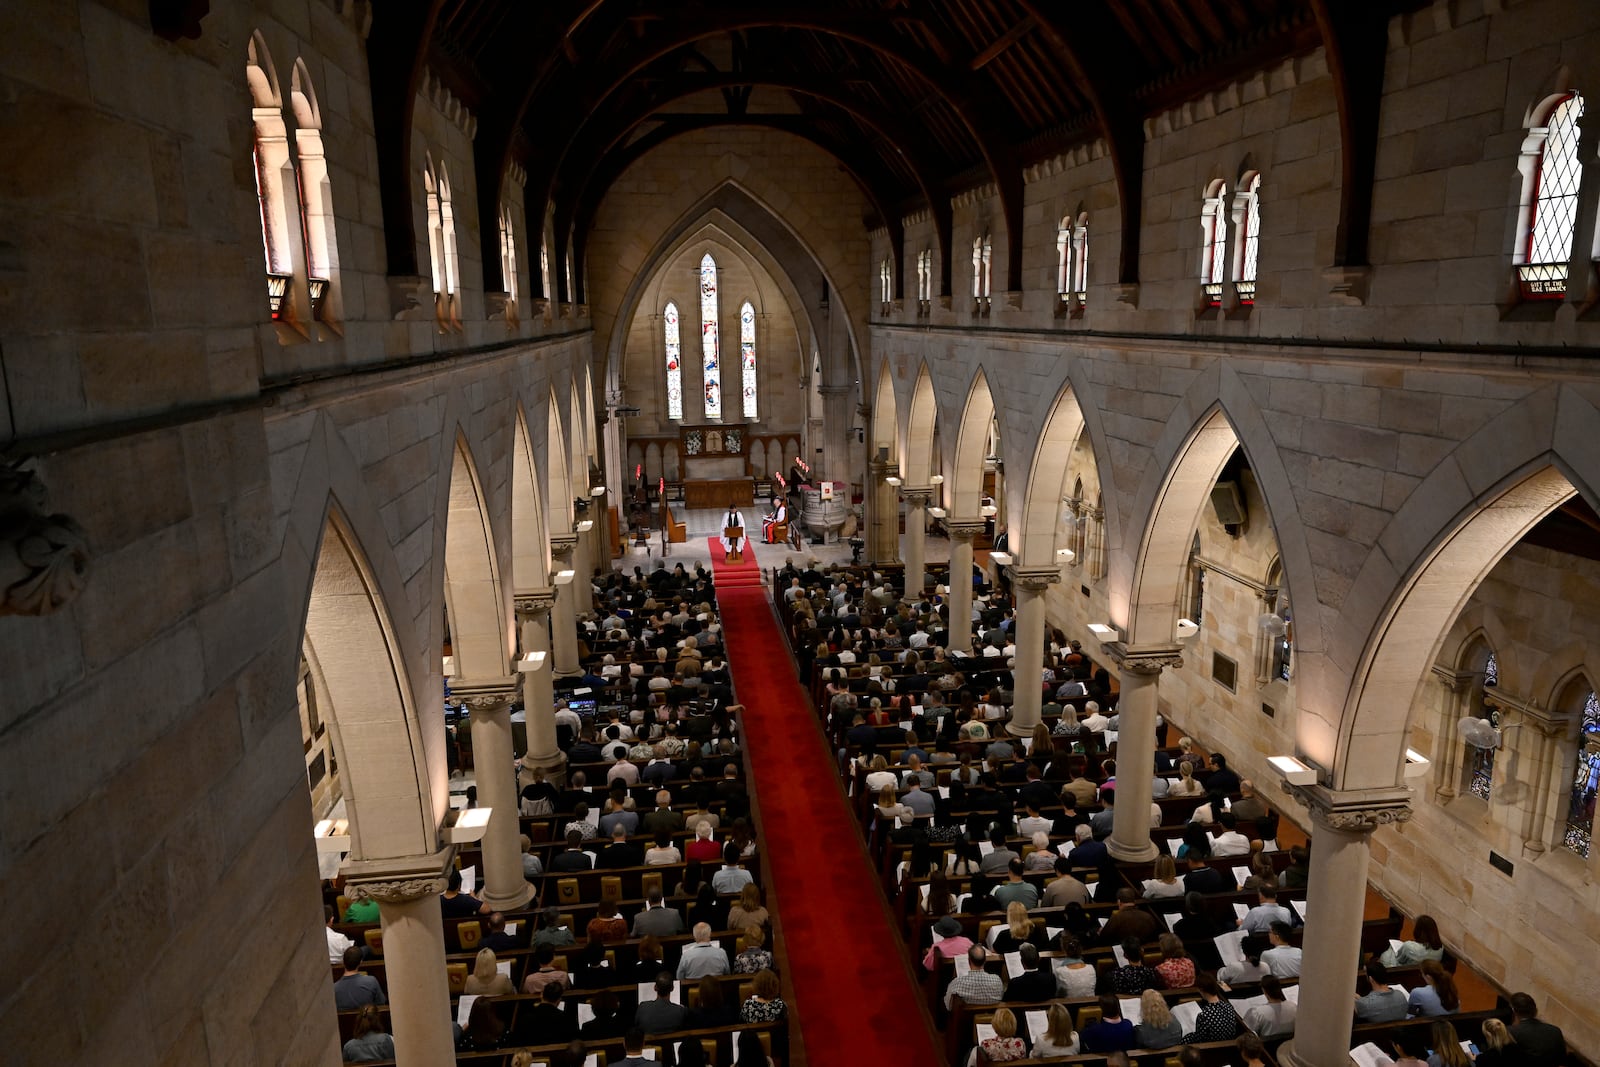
(856, 1000)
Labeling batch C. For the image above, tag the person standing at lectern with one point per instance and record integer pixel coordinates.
(731, 519)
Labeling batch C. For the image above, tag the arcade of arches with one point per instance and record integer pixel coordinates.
(342, 344)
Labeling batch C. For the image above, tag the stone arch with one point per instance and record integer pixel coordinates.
(530, 541)
(368, 703)
(557, 479)
(886, 417)
(472, 587)
(1558, 667)
(966, 488)
(578, 441)
(1453, 528)
(1047, 482)
(922, 420)
(260, 75)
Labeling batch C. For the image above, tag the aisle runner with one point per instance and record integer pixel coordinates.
(857, 1003)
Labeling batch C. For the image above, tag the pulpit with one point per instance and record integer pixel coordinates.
(734, 536)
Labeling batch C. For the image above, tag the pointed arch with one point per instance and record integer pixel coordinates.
(886, 418)
(1047, 483)
(557, 479)
(922, 420)
(972, 440)
(577, 439)
(472, 588)
(367, 701)
(530, 541)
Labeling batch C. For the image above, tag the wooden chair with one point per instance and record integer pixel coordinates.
(470, 935)
(341, 905)
(374, 941)
(457, 973)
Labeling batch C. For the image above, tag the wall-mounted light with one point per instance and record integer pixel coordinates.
(598, 490)
(449, 666)
(1187, 628)
(585, 526)
(937, 479)
(1416, 763)
(565, 577)
(1065, 555)
(1103, 633)
(469, 826)
(533, 661)
(1003, 559)
(988, 511)
(333, 835)
(937, 513)
(892, 480)
(1294, 772)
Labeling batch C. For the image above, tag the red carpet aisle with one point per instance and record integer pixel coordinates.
(856, 1003)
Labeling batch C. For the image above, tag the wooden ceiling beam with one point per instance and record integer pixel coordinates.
(1005, 41)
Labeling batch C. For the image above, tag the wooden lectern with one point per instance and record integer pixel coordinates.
(735, 536)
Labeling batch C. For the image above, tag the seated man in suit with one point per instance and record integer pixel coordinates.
(573, 858)
(661, 1015)
(1036, 982)
(657, 919)
(620, 853)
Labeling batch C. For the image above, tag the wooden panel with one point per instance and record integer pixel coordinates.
(718, 493)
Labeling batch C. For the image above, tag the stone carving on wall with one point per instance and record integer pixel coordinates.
(44, 559)
(398, 892)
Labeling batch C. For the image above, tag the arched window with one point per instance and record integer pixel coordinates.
(747, 357)
(273, 172)
(1249, 222)
(1214, 231)
(442, 241)
(1550, 200)
(1064, 258)
(924, 279)
(508, 254)
(674, 365)
(886, 282)
(1283, 644)
(544, 269)
(1079, 280)
(981, 253)
(315, 193)
(1480, 760)
(1197, 584)
(709, 354)
(1578, 832)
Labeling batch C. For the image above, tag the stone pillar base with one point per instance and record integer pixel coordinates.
(1132, 854)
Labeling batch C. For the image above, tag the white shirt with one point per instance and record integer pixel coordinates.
(1230, 843)
(1283, 961)
(1096, 723)
(337, 943)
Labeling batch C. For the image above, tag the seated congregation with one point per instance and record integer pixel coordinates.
(1035, 944)
(646, 937)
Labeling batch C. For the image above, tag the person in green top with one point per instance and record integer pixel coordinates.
(361, 911)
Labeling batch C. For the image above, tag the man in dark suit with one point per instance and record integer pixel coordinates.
(573, 858)
(1035, 982)
(621, 852)
(549, 1023)
(1130, 920)
(663, 819)
(1204, 879)
(657, 919)
(730, 790)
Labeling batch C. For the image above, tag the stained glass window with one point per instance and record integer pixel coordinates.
(1481, 782)
(709, 354)
(1555, 203)
(747, 357)
(1246, 284)
(674, 366)
(1585, 780)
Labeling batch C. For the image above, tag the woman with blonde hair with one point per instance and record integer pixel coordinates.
(890, 808)
(486, 979)
(1005, 1045)
(1019, 929)
(1447, 1050)
(1496, 1049)
(1185, 786)
(1059, 1039)
(1157, 1028)
(879, 775)
(1165, 885)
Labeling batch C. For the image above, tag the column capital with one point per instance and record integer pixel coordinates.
(918, 496)
(1034, 579)
(563, 544)
(1358, 811)
(487, 694)
(1454, 681)
(965, 529)
(533, 604)
(44, 558)
(1144, 659)
(834, 390)
(398, 881)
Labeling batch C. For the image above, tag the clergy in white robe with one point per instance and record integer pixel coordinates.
(732, 518)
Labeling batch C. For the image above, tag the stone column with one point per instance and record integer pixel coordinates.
(1138, 669)
(1028, 587)
(916, 540)
(538, 695)
(564, 620)
(1342, 825)
(495, 770)
(583, 566)
(962, 531)
(836, 414)
(407, 893)
(883, 541)
(1447, 748)
(1541, 739)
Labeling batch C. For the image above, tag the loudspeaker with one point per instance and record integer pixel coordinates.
(1227, 502)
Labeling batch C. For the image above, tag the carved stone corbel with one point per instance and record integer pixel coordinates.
(44, 558)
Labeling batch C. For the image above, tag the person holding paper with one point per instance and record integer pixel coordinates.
(1217, 1020)
(458, 905)
(977, 987)
(1058, 1039)
(731, 519)
(1259, 919)
(1157, 1028)
(1005, 1045)
(663, 1014)
(486, 979)
(1112, 1033)
(633, 1050)
(948, 943)
(1275, 1018)
(1282, 959)
(1036, 982)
